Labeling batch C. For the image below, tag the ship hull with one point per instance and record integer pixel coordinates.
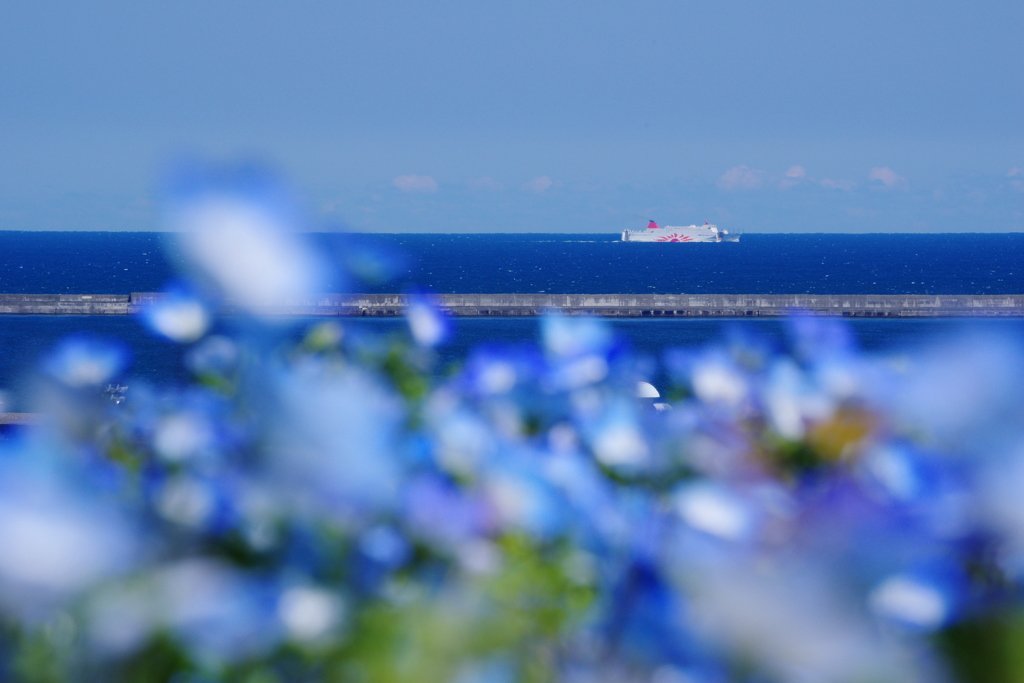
(690, 233)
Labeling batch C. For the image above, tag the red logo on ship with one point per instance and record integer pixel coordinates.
(674, 237)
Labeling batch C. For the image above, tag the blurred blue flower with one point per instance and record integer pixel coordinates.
(646, 618)
(569, 337)
(178, 316)
(617, 439)
(718, 382)
(815, 337)
(220, 613)
(922, 601)
(215, 355)
(439, 512)
(716, 510)
(385, 545)
(240, 230)
(58, 537)
(333, 439)
(427, 322)
(83, 361)
(523, 501)
(310, 614)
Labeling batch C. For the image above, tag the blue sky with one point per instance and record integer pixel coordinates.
(396, 116)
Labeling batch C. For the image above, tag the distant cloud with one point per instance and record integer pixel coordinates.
(539, 184)
(844, 185)
(1016, 173)
(485, 183)
(741, 178)
(793, 177)
(415, 183)
(888, 177)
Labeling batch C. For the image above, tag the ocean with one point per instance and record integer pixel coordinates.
(77, 262)
(114, 263)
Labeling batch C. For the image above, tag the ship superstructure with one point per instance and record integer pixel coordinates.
(674, 233)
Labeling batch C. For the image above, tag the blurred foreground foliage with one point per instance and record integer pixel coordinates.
(322, 504)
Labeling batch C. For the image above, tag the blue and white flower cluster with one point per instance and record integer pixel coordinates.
(317, 506)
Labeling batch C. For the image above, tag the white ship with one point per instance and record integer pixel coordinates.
(673, 233)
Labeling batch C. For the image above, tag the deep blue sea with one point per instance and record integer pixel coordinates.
(74, 262)
(101, 263)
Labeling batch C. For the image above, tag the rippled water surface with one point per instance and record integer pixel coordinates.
(759, 264)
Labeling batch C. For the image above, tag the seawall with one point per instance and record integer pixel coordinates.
(611, 305)
(66, 304)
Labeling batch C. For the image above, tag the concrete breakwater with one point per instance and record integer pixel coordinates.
(65, 304)
(612, 305)
(696, 305)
